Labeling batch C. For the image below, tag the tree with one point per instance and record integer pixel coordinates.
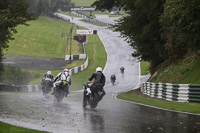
(43, 7)
(12, 13)
(180, 27)
(141, 28)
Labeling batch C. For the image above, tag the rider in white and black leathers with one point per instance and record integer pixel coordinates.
(99, 81)
(62, 76)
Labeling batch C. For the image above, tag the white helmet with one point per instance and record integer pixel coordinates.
(49, 73)
(98, 69)
(66, 70)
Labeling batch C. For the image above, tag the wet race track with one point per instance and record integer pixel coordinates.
(111, 115)
(32, 110)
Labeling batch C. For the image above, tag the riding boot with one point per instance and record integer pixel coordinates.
(102, 95)
(53, 91)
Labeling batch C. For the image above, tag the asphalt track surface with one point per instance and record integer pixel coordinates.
(32, 110)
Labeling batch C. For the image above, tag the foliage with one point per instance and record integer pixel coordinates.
(159, 30)
(144, 67)
(14, 75)
(183, 71)
(43, 7)
(180, 27)
(12, 13)
(141, 28)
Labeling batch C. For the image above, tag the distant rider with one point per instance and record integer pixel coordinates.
(122, 69)
(99, 81)
(48, 76)
(60, 78)
(113, 78)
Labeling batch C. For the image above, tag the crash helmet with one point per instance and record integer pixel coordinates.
(66, 70)
(49, 73)
(98, 69)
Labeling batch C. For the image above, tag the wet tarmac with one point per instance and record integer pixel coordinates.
(32, 110)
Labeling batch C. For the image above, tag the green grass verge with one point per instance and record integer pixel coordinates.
(144, 67)
(45, 37)
(7, 128)
(138, 97)
(185, 71)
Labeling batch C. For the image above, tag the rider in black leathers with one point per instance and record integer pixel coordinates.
(99, 81)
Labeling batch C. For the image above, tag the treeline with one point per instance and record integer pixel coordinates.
(159, 30)
(43, 7)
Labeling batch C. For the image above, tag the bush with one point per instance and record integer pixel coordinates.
(14, 75)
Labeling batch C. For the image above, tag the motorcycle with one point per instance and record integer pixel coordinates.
(113, 78)
(61, 90)
(122, 70)
(47, 85)
(90, 98)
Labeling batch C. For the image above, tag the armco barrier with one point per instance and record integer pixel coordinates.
(29, 88)
(19, 88)
(172, 92)
(76, 57)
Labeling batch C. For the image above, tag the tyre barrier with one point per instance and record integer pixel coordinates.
(172, 92)
(79, 68)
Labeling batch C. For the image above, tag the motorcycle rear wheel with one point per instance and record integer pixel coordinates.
(94, 102)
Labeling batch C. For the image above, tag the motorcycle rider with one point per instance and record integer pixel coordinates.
(62, 76)
(113, 78)
(99, 82)
(47, 76)
(122, 69)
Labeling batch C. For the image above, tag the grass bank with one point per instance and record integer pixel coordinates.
(138, 97)
(144, 67)
(183, 71)
(45, 37)
(7, 128)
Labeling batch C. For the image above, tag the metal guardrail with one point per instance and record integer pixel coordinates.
(92, 20)
(172, 92)
(76, 57)
(19, 88)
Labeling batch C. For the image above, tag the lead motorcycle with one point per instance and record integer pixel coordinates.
(61, 90)
(90, 98)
